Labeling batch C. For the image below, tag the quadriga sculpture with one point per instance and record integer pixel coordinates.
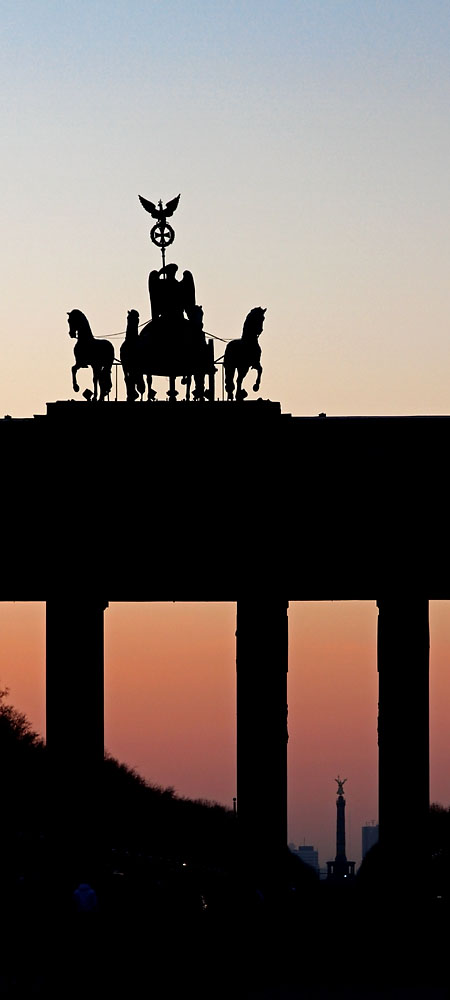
(240, 355)
(98, 354)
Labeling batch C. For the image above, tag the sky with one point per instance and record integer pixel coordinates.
(310, 142)
(170, 702)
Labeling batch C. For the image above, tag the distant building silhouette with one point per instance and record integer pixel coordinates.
(308, 854)
(369, 837)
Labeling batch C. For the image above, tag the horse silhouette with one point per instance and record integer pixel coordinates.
(207, 363)
(98, 354)
(240, 355)
(130, 356)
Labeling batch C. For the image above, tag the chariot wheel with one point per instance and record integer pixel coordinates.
(162, 235)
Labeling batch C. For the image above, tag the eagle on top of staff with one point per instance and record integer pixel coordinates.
(159, 212)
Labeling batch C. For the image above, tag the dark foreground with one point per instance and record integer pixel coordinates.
(179, 934)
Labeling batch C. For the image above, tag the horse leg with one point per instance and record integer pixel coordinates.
(258, 380)
(76, 387)
(95, 376)
(199, 392)
(127, 380)
(186, 380)
(130, 382)
(150, 392)
(104, 378)
(139, 384)
(240, 392)
(172, 392)
(229, 381)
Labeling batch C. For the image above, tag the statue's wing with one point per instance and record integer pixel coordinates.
(188, 294)
(171, 206)
(150, 207)
(154, 290)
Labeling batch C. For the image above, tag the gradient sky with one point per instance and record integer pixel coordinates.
(310, 141)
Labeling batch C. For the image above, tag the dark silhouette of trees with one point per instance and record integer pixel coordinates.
(140, 815)
(136, 815)
(22, 757)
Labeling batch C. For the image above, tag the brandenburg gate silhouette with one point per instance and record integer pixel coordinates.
(224, 501)
(233, 502)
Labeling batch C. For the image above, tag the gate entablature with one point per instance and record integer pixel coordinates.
(336, 508)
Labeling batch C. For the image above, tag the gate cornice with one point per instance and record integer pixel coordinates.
(180, 501)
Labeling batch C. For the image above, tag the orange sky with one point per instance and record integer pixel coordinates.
(170, 701)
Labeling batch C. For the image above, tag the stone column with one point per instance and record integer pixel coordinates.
(403, 739)
(262, 663)
(75, 714)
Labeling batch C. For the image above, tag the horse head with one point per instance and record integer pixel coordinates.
(132, 323)
(253, 323)
(132, 317)
(76, 318)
